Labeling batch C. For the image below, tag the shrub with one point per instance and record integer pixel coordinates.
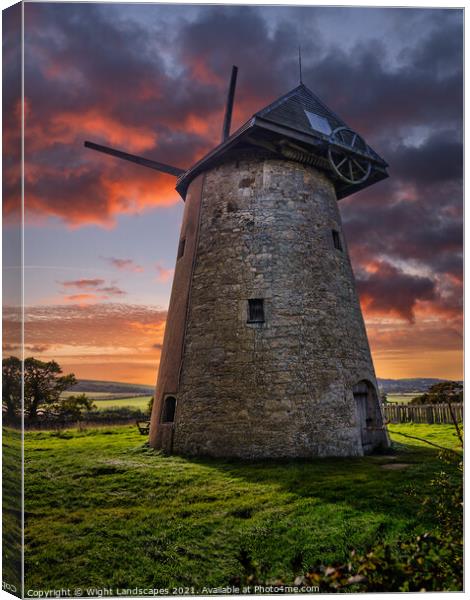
(432, 561)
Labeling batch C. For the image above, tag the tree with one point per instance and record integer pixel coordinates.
(11, 387)
(43, 385)
(441, 393)
(69, 408)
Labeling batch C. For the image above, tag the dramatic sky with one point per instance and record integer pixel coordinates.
(101, 234)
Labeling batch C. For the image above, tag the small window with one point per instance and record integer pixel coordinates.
(256, 310)
(336, 240)
(318, 123)
(181, 246)
(168, 412)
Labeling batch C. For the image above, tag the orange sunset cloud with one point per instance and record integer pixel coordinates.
(97, 341)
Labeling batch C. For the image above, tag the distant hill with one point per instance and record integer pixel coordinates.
(402, 386)
(111, 387)
(389, 386)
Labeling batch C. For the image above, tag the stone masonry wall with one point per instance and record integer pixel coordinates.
(172, 351)
(282, 388)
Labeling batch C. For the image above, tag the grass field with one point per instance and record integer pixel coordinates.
(104, 510)
(140, 402)
(108, 400)
(402, 398)
(104, 400)
(99, 395)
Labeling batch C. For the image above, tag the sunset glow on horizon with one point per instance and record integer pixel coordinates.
(101, 234)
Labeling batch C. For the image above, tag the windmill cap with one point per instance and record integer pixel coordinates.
(301, 117)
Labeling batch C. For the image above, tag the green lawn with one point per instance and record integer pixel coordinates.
(140, 402)
(443, 435)
(104, 510)
(11, 508)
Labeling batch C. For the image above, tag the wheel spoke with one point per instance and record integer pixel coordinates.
(359, 166)
(349, 155)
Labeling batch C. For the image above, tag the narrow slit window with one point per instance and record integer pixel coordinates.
(256, 310)
(169, 407)
(336, 240)
(181, 246)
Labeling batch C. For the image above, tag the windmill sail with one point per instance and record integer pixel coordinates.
(140, 160)
(229, 106)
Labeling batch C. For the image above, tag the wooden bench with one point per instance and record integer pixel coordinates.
(143, 427)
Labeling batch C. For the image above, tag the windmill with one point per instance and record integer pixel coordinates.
(265, 352)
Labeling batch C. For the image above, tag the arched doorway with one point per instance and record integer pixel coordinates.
(371, 425)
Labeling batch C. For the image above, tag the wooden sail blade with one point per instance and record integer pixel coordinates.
(140, 160)
(229, 105)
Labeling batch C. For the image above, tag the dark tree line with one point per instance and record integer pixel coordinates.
(42, 384)
(444, 392)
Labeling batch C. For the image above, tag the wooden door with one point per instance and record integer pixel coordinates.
(361, 404)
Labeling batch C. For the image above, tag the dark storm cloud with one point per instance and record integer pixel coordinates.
(418, 230)
(438, 158)
(241, 36)
(11, 115)
(157, 86)
(380, 98)
(11, 50)
(389, 290)
(408, 232)
(94, 64)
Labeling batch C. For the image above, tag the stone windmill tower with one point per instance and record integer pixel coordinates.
(265, 351)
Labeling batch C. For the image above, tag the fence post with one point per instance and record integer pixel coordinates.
(424, 413)
(429, 415)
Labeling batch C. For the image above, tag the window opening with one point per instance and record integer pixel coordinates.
(169, 407)
(256, 310)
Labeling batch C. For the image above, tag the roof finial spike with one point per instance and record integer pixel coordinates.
(300, 66)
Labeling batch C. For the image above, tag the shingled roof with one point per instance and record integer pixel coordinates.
(291, 110)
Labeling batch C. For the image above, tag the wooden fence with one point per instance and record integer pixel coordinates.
(422, 413)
